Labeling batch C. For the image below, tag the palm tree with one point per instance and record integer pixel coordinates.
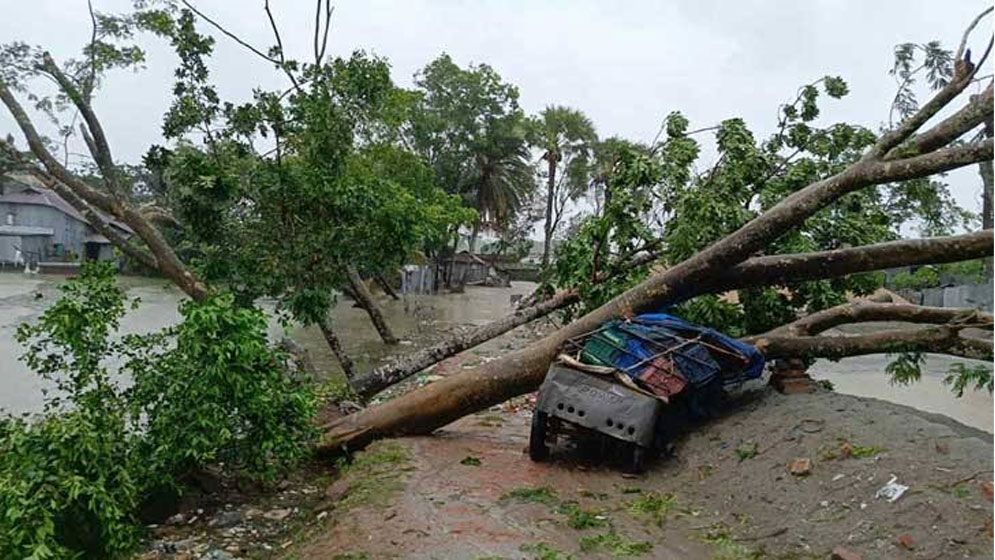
(499, 182)
(566, 137)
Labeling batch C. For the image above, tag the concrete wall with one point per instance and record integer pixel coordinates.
(977, 296)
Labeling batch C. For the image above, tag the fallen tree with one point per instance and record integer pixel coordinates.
(897, 155)
(758, 271)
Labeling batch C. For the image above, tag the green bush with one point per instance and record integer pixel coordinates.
(208, 392)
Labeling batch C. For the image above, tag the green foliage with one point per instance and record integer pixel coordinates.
(536, 495)
(923, 277)
(906, 367)
(615, 544)
(543, 551)
(654, 506)
(580, 518)
(746, 451)
(961, 376)
(209, 392)
(693, 210)
(467, 126)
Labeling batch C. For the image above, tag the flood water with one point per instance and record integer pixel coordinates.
(419, 320)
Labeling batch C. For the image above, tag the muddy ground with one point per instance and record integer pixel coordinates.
(470, 491)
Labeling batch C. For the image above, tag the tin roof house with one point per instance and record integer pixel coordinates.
(39, 226)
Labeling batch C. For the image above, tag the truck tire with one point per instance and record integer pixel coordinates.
(538, 450)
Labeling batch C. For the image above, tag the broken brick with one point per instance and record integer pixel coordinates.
(905, 541)
(801, 466)
(988, 490)
(842, 553)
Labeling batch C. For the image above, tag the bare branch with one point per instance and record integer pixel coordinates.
(229, 34)
(967, 33)
(98, 145)
(279, 45)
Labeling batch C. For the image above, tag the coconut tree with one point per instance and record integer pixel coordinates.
(566, 137)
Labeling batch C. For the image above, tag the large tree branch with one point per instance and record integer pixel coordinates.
(944, 339)
(96, 142)
(166, 260)
(758, 271)
(978, 111)
(862, 311)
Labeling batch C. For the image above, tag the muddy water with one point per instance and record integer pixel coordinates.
(418, 320)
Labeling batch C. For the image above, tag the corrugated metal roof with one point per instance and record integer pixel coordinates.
(35, 193)
(25, 230)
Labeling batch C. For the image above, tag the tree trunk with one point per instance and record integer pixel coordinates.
(366, 301)
(408, 365)
(758, 271)
(550, 192)
(387, 288)
(336, 347)
(448, 399)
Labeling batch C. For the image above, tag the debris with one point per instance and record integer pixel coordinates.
(839, 476)
(801, 466)
(842, 553)
(226, 519)
(905, 541)
(891, 491)
(988, 490)
(278, 514)
(177, 519)
(321, 515)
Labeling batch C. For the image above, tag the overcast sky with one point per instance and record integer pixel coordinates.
(625, 64)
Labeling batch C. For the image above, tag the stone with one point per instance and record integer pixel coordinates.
(227, 519)
(177, 519)
(843, 553)
(905, 541)
(217, 554)
(801, 466)
(338, 490)
(278, 514)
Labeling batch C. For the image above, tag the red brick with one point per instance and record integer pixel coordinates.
(905, 541)
(801, 466)
(842, 553)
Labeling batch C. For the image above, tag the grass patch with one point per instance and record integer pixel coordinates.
(746, 451)
(533, 494)
(654, 506)
(615, 544)
(470, 461)
(631, 490)
(375, 474)
(960, 491)
(726, 548)
(863, 452)
(594, 495)
(580, 518)
(351, 556)
(543, 551)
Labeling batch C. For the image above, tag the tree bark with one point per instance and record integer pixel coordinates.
(336, 347)
(943, 339)
(166, 260)
(366, 301)
(448, 399)
(408, 365)
(387, 288)
(758, 271)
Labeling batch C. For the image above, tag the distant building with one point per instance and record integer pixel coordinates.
(37, 225)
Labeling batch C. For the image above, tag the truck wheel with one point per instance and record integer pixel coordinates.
(638, 464)
(538, 450)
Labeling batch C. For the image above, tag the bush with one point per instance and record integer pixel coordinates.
(208, 392)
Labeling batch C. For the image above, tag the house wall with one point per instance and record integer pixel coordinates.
(69, 231)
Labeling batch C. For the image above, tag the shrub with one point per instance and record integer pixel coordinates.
(208, 392)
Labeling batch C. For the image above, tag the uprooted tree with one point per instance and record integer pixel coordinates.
(835, 193)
